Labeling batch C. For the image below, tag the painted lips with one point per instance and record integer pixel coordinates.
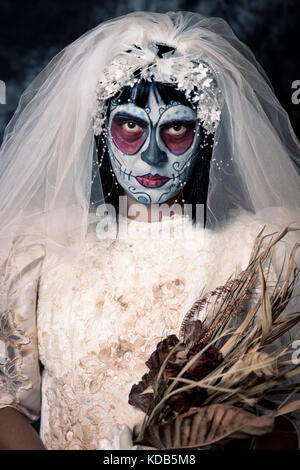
(152, 181)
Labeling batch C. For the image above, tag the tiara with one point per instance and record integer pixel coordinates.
(194, 78)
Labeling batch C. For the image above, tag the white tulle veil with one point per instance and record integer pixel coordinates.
(47, 155)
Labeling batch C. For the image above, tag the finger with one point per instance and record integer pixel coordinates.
(125, 438)
(105, 444)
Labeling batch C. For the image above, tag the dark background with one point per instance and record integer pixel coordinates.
(32, 32)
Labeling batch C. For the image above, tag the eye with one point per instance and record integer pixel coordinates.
(176, 130)
(131, 126)
(128, 134)
(179, 136)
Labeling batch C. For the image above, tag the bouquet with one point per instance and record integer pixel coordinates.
(216, 382)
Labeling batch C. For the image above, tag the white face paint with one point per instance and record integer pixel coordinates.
(152, 150)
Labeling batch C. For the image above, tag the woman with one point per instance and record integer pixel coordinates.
(182, 115)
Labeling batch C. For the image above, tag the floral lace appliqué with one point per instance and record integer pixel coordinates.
(11, 341)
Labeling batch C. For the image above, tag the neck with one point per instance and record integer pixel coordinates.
(150, 212)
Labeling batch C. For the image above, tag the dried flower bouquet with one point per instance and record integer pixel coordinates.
(216, 381)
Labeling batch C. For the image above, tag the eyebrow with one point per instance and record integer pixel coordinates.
(132, 117)
(171, 122)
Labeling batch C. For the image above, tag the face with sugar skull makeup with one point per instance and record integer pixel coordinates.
(152, 149)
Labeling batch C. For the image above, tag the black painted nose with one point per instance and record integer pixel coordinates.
(153, 155)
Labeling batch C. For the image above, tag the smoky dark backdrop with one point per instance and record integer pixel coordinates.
(32, 32)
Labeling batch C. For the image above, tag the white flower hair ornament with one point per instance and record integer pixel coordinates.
(194, 78)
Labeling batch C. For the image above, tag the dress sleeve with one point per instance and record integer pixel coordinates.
(19, 361)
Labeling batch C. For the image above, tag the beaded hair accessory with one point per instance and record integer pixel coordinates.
(160, 63)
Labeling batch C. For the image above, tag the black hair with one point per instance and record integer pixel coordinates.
(195, 190)
(139, 94)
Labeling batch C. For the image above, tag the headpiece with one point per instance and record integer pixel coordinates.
(194, 78)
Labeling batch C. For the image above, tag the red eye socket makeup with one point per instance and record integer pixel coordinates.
(179, 136)
(128, 135)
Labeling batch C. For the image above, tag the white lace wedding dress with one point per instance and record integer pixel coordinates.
(99, 318)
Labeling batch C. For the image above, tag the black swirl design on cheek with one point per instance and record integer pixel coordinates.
(184, 172)
(176, 166)
(180, 168)
(167, 192)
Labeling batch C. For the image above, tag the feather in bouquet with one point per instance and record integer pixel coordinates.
(215, 381)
